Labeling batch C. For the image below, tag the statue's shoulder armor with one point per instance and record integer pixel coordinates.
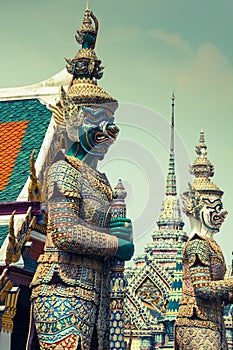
(197, 249)
(63, 178)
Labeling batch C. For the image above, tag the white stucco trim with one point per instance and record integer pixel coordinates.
(46, 90)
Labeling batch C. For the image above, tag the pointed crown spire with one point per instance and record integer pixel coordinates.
(86, 70)
(202, 169)
(87, 25)
(86, 65)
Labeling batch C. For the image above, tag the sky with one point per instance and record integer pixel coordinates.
(149, 48)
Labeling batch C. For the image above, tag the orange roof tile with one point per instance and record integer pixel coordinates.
(11, 137)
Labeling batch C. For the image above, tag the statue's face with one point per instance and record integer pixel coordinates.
(81, 68)
(97, 131)
(212, 214)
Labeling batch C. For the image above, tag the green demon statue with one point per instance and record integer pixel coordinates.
(70, 289)
(200, 323)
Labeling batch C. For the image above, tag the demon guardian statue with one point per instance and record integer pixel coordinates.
(200, 323)
(70, 289)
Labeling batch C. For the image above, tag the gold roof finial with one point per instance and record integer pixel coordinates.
(34, 187)
(87, 6)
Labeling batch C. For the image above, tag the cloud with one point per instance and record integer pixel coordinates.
(171, 39)
(209, 73)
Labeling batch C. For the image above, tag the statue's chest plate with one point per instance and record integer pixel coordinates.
(95, 208)
(92, 189)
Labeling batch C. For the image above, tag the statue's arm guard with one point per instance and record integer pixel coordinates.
(198, 254)
(68, 231)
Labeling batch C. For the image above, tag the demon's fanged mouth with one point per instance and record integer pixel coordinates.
(107, 134)
(213, 214)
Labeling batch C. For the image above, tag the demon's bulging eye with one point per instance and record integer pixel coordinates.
(218, 208)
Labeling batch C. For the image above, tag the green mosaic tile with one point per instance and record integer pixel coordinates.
(3, 233)
(39, 117)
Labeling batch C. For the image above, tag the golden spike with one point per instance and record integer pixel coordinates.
(12, 240)
(87, 6)
(12, 237)
(34, 187)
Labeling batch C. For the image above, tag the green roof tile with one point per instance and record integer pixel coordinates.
(39, 117)
(3, 233)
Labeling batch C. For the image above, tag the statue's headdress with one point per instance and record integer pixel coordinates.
(202, 186)
(85, 69)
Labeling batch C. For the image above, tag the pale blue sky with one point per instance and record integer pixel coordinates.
(149, 49)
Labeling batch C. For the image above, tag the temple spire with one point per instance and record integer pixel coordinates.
(173, 123)
(171, 177)
(170, 212)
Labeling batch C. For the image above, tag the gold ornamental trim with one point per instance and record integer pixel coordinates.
(86, 53)
(17, 240)
(11, 308)
(86, 93)
(204, 184)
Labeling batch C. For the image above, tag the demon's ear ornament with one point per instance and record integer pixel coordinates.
(191, 202)
(187, 200)
(73, 121)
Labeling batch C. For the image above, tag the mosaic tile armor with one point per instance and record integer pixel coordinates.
(75, 259)
(204, 291)
(71, 287)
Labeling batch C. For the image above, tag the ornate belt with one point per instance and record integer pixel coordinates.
(72, 259)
